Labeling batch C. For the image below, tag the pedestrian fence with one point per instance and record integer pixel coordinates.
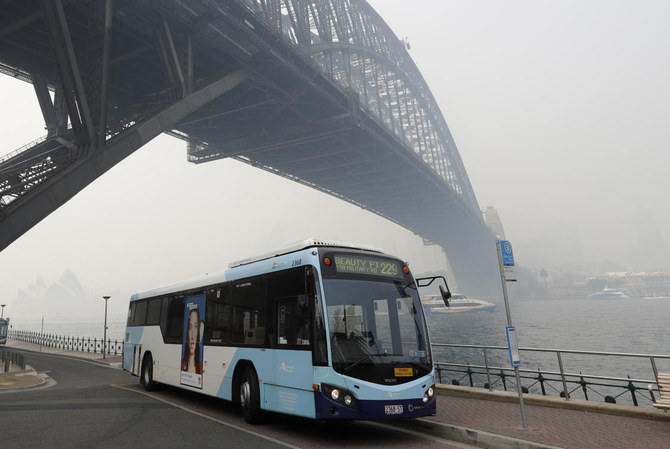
(67, 343)
(493, 373)
(9, 358)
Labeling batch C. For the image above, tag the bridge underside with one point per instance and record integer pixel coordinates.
(352, 158)
(218, 76)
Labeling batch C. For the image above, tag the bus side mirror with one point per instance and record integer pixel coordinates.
(445, 296)
(303, 302)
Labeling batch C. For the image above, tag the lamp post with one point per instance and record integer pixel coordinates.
(3, 310)
(104, 335)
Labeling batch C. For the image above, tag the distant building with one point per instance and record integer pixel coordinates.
(492, 220)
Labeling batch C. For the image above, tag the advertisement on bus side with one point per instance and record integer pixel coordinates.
(192, 348)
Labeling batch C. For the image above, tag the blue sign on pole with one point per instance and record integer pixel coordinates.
(507, 255)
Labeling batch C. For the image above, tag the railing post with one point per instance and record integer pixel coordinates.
(540, 378)
(502, 377)
(565, 385)
(469, 371)
(488, 373)
(632, 389)
(653, 367)
(583, 383)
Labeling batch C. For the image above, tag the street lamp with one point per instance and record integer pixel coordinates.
(3, 310)
(104, 338)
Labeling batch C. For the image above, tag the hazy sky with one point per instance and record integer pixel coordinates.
(560, 111)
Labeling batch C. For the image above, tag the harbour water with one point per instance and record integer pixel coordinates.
(608, 325)
(621, 326)
(85, 328)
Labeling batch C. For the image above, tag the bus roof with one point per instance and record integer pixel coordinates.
(303, 244)
(219, 277)
(187, 284)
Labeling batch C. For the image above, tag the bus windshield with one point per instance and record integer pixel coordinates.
(375, 322)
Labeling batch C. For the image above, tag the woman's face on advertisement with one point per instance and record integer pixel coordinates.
(192, 331)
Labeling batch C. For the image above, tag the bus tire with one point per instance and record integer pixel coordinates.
(147, 377)
(250, 397)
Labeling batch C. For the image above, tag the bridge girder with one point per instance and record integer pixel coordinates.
(327, 84)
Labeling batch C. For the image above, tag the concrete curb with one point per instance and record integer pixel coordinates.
(480, 438)
(25, 379)
(466, 436)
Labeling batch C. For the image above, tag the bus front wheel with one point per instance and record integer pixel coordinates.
(147, 378)
(250, 397)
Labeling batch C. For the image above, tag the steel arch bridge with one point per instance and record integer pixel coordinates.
(318, 91)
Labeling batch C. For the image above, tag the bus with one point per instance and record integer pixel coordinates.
(4, 330)
(319, 329)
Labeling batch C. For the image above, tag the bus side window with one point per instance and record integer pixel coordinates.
(293, 323)
(286, 288)
(248, 312)
(154, 312)
(131, 314)
(217, 317)
(174, 325)
(140, 317)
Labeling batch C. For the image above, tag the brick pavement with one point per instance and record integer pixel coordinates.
(566, 428)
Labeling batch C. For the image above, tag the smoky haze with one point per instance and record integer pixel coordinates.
(559, 111)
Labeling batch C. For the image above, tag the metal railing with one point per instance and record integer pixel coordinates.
(10, 360)
(20, 150)
(67, 343)
(564, 383)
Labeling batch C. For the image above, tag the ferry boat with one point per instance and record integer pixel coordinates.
(609, 293)
(456, 304)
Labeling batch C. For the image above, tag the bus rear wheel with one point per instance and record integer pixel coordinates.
(250, 397)
(147, 377)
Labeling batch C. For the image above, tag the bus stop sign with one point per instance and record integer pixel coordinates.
(507, 255)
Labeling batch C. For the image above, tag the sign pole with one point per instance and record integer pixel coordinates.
(511, 332)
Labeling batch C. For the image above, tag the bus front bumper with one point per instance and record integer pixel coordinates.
(327, 409)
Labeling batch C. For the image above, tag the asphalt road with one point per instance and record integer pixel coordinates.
(100, 407)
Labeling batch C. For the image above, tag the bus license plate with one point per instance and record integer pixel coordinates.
(393, 409)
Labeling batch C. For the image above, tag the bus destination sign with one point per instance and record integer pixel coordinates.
(367, 265)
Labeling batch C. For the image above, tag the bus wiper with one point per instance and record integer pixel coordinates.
(357, 362)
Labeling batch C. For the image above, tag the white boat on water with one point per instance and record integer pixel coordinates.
(457, 304)
(609, 293)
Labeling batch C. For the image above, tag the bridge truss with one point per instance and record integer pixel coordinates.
(318, 91)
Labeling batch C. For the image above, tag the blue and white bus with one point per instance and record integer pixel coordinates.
(4, 330)
(322, 330)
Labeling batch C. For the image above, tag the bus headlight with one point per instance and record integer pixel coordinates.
(339, 395)
(428, 395)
